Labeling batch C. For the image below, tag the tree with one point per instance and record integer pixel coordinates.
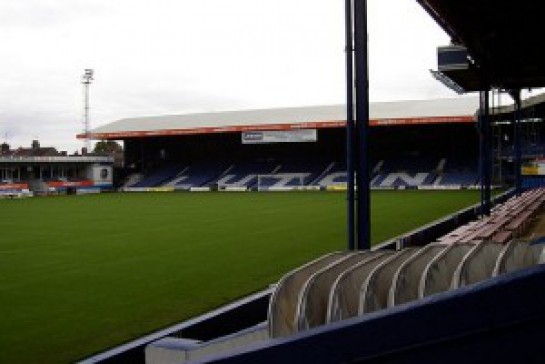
(107, 147)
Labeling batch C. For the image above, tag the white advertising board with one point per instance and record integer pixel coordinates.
(279, 136)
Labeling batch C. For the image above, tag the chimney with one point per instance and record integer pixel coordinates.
(35, 144)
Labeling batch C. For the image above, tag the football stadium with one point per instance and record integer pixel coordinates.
(398, 232)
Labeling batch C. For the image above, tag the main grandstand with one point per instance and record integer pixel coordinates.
(414, 144)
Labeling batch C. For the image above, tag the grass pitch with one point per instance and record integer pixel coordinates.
(81, 274)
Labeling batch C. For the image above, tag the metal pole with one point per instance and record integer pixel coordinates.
(481, 151)
(516, 134)
(500, 140)
(362, 125)
(350, 124)
(86, 79)
(487, 153)
(86, 113)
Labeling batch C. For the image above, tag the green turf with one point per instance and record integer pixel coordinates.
(84, 273)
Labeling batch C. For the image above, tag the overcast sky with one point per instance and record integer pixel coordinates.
(154, 57)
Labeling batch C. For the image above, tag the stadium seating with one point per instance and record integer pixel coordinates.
(477, 265)
(159, 176)
(131, 180)
(409, 173)
(347, 284)
(405, 171)
(310, 168)
(282, 304)
(244, 173)
(342, 285)
(288, 173)
(463, 178)
(201, 174)
(506, 221)
(335, 174)
(457, 172)
(313, 298)
(374, 294)
(438, 274)
(292, 173)
(405, 283)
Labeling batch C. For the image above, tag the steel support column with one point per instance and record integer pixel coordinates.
(481, 153)
(362, 125)
(515, 94)
(351, 196)
(485, 151)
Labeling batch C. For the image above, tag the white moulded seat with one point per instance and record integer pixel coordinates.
(283, 303)
(517, 255)
(477, 265)
(374, 292)
(313, 302)
(437, 276)
(344, 296)
(405, 283)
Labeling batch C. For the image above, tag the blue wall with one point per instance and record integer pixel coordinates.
(533, 182)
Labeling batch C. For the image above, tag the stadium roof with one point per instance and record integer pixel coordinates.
(455, 110)
(532, 107)
(503, 40)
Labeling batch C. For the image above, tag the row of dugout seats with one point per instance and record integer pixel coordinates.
(269, 174)
(342, 285)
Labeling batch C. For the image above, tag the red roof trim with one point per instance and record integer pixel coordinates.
(308, 125)
(13, 186)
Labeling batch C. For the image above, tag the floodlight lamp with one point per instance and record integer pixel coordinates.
(88, 75)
